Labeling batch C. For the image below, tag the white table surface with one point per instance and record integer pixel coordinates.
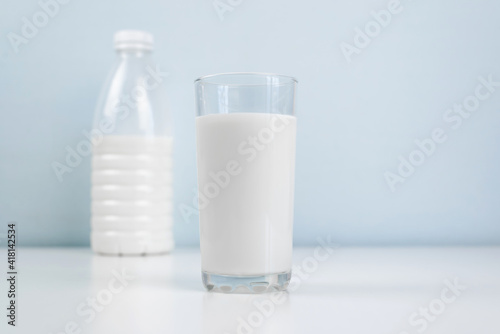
(356, 290)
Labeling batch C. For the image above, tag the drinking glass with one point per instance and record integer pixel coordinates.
(245, 138)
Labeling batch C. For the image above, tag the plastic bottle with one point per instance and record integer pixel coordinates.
(132, 155)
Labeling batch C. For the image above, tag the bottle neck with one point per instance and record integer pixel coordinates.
(133, 53)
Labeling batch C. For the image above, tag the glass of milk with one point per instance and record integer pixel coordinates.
(245, 134)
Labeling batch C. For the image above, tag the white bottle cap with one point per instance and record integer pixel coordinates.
(133, 39)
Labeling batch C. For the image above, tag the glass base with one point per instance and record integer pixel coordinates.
(246, 284)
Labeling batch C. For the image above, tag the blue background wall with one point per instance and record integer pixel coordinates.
(355, 118)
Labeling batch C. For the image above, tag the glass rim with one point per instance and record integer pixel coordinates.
(206, 79)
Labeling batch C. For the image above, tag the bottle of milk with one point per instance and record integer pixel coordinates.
(132, 155)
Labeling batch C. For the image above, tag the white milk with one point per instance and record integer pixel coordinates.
(132, 195)
(246, 164)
